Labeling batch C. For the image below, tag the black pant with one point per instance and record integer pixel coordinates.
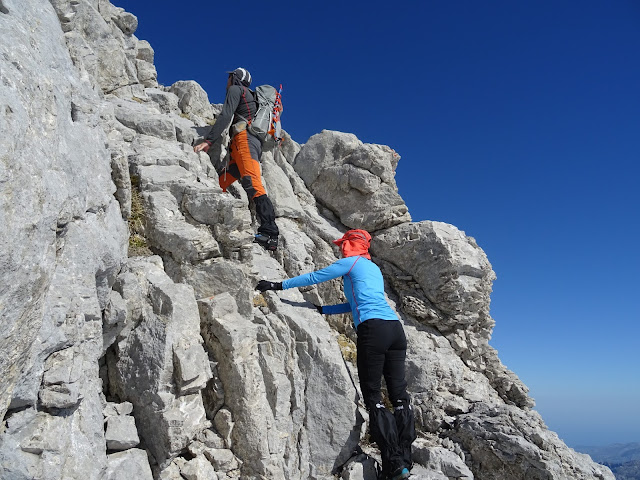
(382, 349)
(266, 216)
(246, 151)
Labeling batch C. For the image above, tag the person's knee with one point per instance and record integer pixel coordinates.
(247, 184)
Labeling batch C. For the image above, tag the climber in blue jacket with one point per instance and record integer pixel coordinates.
(381, 346)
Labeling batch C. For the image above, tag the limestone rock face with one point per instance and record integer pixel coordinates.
(63, 242)
(100, 41)
(192, 99)
(354, 180)
(170, 365)
(506, 432)
(443, 279)
(160, 365)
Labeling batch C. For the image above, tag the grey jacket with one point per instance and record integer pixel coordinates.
(239, 105)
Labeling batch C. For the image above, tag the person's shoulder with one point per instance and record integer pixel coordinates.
(345, 261)
(368, 264)
(351, 260)
(234, 90)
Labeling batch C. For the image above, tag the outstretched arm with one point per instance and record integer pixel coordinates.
(265, 285)
(335, 270)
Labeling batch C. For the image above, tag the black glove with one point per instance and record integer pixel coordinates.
(264, 285)
(318, 307)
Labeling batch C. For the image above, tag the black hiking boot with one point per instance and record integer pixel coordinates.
(270, 244)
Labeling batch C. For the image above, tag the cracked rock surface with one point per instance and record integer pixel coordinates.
(169, 365)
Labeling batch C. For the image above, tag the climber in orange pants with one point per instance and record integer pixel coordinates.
(239, 108)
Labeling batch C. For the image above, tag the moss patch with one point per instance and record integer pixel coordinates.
(138, 244)
(348, 349)
(259, 301)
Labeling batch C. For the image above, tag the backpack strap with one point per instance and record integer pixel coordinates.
(247, 105)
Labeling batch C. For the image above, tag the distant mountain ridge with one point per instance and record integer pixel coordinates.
(616, 453)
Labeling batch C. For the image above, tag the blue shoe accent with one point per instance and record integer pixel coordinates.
(404, 473)
(266, 242)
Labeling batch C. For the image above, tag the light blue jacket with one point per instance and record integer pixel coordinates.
(363, 287)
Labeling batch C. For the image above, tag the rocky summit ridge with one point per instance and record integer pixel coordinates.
(168, 364)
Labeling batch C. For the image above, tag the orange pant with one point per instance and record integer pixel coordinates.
(244, 166)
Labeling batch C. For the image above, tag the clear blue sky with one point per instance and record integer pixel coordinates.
(517, 122)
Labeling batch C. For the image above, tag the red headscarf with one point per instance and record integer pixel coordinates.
(355, 242)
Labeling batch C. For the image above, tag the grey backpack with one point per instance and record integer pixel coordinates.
(266, 121)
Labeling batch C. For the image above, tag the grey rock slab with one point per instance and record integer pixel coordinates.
(122, 180)
(222, 459)
(114, 319)
(233, 341)
(145, 51)
(172, 178)
(60, 396)
(279, 189)
(186, 131)
(444, 279)
(213, 277)
(121, 433)
(148, 150)
(171, 472)
(449, 266)
(167, 230)
(147, 74)
(128, 465)
(229, 217)
(144, 119)
(309, 393)
(167, 102)
(113, 409)
(284, 156)
(505, 441)
(223, 421)
(289, 148)
(66, 443)
(440, 459)
(90, 252)
(127, 22)
(60, 381)
(198, 468)
(354, 180)
(192, 370)
(192, 99)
